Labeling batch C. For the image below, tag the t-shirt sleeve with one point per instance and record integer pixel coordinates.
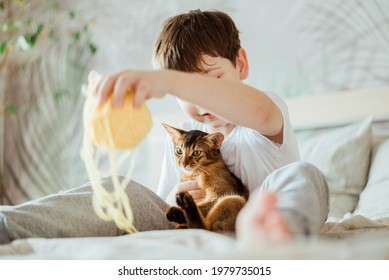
(169, 174)
(287, 127)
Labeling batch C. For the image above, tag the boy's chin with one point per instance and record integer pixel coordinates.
(217, 124)
(214, 123)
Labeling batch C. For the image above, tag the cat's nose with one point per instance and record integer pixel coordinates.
(184, 163)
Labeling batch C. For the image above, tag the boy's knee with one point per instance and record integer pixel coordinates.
(313, 183)
(300, 175)
(315, 179)
(304, 167)
(310, 172)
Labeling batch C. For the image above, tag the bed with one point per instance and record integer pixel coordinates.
(346, 135)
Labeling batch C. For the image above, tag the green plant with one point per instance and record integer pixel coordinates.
(23, 31)
(44, 53)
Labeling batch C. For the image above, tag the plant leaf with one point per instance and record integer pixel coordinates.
(11, 109)
(4, 26)
(3, 47)
(92, 48)
(31, 38)
(72, 14)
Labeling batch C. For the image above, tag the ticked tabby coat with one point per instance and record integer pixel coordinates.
(199, 158)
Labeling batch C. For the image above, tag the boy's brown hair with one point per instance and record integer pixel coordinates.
(185, 38)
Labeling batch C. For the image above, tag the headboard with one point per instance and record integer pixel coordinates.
(338, 108)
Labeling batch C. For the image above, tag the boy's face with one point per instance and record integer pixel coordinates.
(215, 67)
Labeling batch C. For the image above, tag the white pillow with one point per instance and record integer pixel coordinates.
(342, 154)
(374, 200)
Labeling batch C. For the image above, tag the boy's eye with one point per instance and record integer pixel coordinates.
(178, 151)
(196, 153)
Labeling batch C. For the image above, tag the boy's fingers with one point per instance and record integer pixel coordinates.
(106, 85)
(188, 185)
(140, 95)
(123, 83)
(96, 91)
(104, 88)
(197, 194)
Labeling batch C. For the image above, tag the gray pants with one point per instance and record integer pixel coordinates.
(302, 196)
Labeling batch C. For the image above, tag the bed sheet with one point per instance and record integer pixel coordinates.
(354, 238)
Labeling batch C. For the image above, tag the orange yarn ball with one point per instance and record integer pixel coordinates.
(118, 128)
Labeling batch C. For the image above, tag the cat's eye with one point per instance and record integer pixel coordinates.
(178, 151)
(196, 153)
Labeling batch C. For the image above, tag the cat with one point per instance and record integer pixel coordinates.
(198, 156)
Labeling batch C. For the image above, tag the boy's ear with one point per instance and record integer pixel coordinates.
(174, 133)
(242, 64)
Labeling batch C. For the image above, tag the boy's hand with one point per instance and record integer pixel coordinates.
(191, 187)
(145, 84)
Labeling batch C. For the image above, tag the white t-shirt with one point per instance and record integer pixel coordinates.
(247, 153)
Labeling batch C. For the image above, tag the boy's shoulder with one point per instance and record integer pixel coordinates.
(277, 99)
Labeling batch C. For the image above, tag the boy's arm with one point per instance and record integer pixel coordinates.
(231, 100)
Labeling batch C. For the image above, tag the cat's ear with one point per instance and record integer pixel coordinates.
(216, 138)
(174, 133)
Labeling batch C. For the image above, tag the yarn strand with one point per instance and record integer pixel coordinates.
(105, 139)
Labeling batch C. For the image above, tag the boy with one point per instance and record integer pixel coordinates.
(201, 63)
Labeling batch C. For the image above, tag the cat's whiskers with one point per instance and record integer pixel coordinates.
(187, 170)
(207, 171)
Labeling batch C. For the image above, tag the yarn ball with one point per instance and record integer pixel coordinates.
(117, 128)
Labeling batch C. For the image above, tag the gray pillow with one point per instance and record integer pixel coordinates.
(374, 200)
(343, 155)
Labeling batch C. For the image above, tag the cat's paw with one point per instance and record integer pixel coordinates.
(181, 226)
(185, 200)
(176, 215)
(191, 212)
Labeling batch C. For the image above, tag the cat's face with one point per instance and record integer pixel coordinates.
(194, 149)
